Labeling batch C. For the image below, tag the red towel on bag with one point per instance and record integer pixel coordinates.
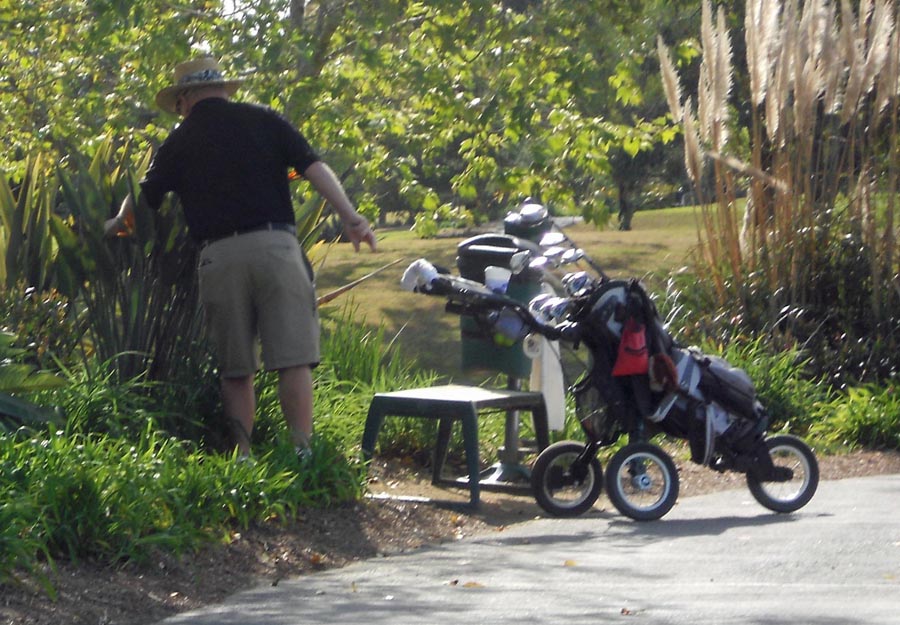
(633, 357)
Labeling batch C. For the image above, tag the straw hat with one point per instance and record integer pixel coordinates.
(203, 72)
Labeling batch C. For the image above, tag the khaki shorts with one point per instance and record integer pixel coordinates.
(259, 284)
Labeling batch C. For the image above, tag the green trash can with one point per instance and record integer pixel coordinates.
(479, 350)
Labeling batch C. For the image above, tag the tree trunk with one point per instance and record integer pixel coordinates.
(626, 210)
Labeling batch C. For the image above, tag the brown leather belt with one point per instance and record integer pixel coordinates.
(269, 225)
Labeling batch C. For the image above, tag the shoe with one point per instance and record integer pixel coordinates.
(304, 454)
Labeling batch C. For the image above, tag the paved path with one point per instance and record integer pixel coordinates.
(716, 559)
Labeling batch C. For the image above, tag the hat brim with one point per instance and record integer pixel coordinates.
(167, 97)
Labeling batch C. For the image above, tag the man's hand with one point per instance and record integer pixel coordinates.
(356, 227)
(359, 231)
(115, 227)
(122, 224)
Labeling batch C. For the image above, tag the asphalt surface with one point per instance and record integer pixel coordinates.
(714, 559)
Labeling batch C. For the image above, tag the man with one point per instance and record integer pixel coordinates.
(228, 162)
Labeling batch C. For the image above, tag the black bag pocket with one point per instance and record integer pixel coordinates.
(729, 386)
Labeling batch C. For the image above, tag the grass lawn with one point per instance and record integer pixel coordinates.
(658, 244)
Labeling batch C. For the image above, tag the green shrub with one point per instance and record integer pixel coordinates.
(791, 398)
(44, 324)
(865, 416)
(19, 548)
(109, 499)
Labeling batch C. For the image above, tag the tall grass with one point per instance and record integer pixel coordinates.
(810, 256)
(357, 361)
(20, 550)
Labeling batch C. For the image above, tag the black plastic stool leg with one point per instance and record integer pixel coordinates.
(370, 434)
(445, 429)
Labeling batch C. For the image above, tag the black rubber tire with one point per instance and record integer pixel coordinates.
(559, 492)
(649, 495)
(785, 497)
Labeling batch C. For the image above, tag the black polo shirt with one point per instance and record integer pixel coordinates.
(228, 163)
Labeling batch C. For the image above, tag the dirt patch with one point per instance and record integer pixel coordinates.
(405, 511)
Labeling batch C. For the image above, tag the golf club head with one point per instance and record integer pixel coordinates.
(575, 283)
(532, 212)
(519, 261)
(571, 256)
(554, 254)
(552, 239)
(534, 306)
(554, 308)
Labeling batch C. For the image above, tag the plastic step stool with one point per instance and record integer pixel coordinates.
(451, 403)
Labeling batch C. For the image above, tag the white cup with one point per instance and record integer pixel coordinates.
(497, 278)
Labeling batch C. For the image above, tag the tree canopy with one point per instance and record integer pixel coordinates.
(458, 108)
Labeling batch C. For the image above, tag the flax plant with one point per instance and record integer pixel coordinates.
(139, 292)
(811, 254)
(27, 250)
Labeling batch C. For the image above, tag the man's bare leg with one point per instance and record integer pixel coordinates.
(239, 402)
(295, 392)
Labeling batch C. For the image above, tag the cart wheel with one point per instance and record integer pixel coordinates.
(796, 475)
(562, 485)
(642, 481)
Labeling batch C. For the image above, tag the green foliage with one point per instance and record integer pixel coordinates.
(44, 323)
(865, 417)
(97, 402)
(18, 545)
(328, 477)
(428, 224)
(842, 328)
(138, 294)
(356, 353)
(16, 413)
(462, 143)
(21, 377)
(72, 69)
(114, 499)
(27, 250)
(111, 487)
(416, 110)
